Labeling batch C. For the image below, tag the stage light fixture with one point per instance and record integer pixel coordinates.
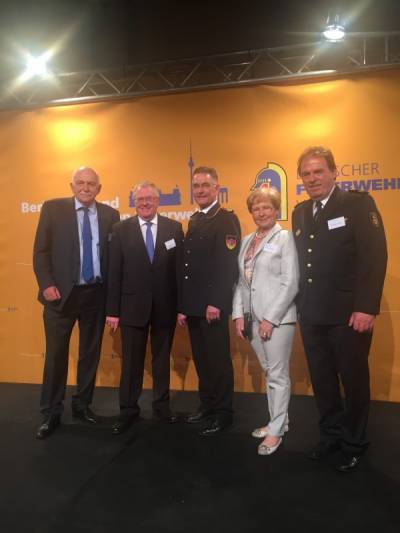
(334, 31)
(36, 67)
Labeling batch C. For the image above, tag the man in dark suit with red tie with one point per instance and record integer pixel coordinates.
(142, 298)
(342, 256)
(70, 260)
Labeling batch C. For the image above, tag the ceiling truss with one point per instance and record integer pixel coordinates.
(284, 64)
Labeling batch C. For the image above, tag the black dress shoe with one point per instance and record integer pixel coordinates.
(122, 424)
(349, 463)
(86, 415)
(322, 450)
(169, 418)
(214, 428)
(48, 425)
(194, 418)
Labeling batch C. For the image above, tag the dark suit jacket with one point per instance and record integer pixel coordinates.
(138, 289)
(342, 269)
(210, 266)
(56, 258)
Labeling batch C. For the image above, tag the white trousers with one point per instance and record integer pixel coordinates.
(274, 355)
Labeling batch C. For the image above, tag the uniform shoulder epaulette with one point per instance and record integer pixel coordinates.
(355, 191)
(300, 203)
(224, 209)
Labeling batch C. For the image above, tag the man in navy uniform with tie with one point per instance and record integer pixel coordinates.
(142, 298)
(342, 255)
(70, 262)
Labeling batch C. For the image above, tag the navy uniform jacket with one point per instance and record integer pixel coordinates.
(342, 258)
(56, 257)
(210, 267)
(139, 290)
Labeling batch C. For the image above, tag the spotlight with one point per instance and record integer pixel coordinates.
(334, 31)
(36, 67)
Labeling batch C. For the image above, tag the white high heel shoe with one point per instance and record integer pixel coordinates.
(261, 433)
(268, 450)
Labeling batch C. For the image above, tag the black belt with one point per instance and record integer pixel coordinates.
(90, 285)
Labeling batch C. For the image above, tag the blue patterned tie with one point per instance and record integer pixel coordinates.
(149, 241)
(87, 255)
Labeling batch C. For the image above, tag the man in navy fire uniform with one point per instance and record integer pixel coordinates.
(342, 252)
(210, 271)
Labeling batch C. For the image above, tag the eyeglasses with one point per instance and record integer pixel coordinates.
(145, 199)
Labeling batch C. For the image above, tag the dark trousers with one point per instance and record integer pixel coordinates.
(335, 352)
(85, 305)
(134, 341)
(212, 359)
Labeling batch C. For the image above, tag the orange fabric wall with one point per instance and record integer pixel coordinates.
(239, 131)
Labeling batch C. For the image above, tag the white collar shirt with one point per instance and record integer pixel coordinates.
(143, 227)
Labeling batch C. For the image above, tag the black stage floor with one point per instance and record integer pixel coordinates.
(160, 478)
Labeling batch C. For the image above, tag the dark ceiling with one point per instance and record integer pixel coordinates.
(103, 33)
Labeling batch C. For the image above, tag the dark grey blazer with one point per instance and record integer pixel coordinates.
(56, 258)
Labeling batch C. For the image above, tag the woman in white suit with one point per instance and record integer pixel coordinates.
(264, 309)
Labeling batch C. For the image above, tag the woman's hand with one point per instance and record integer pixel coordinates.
(265, 330)
(239, 324)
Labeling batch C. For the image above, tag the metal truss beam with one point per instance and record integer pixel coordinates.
(284, 64)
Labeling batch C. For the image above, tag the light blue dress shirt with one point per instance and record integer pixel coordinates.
(94, 226)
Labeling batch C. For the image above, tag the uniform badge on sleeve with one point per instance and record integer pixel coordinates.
(231, 242)
(373, 216)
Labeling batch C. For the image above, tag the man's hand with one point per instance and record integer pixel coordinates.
(361, 322)
(113, 322)
(265, 329)
(181, 320)
(51, 294)
(239, 324)
(212, 313)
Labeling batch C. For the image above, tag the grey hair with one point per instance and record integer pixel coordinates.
(143, 185)
(77, 171)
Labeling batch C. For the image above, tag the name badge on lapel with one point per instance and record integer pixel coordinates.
(170, 244)
(272, 248)
(338, 222)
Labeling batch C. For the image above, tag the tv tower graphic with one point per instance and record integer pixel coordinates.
(191, 165)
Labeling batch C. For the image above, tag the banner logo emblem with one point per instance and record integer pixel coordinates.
(273, 175)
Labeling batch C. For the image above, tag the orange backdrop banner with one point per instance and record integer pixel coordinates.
(251, 135)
